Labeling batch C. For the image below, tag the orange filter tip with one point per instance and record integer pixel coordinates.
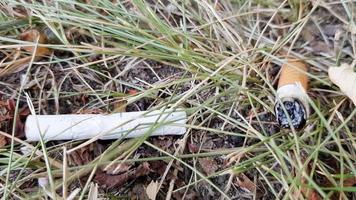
(292, 72)
(292, 107)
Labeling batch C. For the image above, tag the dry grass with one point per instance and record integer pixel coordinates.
(218, 60)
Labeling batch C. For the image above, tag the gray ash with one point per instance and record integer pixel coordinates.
(296, 112)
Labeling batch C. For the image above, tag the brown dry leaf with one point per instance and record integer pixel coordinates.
(20, 118)
(349, 182)
(16, 62)
(3, 141)
(193, 148)
(164, 143)
(345, 78)
(143, 169)
(20, 12)
(152, 190)
(20, 128)
(118, 169)
(245, 183)
(81, 156)
(209, 165)
(32, 36)
(5, 117)
(159, 167)
(110, 181)
(14, 66)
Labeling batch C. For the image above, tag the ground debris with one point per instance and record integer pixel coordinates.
(111, 181)
(3, 141)
(308, 193)
(243, 182)
(138, 192)
(164, 143)
(34, 35)
(17, 60)
(81, 156)
(209, 165)
(152, 190)
(8, 116)
(118, 168)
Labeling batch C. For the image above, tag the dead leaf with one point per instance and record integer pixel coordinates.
(32, 36)
(152, 190)
(111, 181)
(118, 169)
(20, 12)
(164, 143)
(16, 61)
(159, 167)
(349, 182)
(209, 165)
(193, 148)
(14, 66)
(345, 78)
(3, 141)
(81, 156)
(143, 169)
(8, 115)
(207, 145)
(243, 182)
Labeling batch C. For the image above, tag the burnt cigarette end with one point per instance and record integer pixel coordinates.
(296, 112)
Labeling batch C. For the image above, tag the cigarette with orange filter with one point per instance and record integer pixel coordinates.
(291, 93)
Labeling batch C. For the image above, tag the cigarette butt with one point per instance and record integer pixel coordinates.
(293, 72)
(32, 36)
(105, 127)
(292, 87)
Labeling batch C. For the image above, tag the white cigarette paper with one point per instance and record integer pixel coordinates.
(105, 127)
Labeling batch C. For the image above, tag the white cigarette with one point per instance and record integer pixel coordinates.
(105, 127)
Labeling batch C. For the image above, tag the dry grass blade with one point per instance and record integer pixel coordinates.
(217, 60)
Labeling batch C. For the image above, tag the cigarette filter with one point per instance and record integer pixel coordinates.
(113, 126)
(32, 35)
(291, 92)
